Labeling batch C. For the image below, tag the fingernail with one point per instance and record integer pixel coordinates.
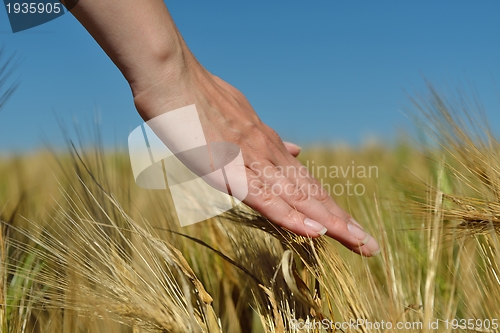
(315, 226)
(373, 247)
(358, 233)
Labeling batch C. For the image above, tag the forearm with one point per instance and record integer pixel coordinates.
(140, 37)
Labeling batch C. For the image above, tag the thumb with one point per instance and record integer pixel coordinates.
(292, 148)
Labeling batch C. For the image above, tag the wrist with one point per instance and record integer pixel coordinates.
(161, 60)
(167, 83)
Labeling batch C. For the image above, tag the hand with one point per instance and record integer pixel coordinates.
(280, 188)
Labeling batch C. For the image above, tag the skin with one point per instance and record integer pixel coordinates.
(142, 40)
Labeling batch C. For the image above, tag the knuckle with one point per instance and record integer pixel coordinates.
(265, 193)
(251, 126)
(322, 195)
(241, 131)
(267, 196)
(298, 195)
(337, 222)
(293, 217)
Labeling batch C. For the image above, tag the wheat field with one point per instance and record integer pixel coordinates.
(84, 249)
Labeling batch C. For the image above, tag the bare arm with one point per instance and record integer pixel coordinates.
(139, 36)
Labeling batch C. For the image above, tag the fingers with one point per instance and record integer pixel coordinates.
(310, 198)
(370, 244)
(261, 198)
(290, 203)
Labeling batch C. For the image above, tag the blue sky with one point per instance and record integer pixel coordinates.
(317, 72)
